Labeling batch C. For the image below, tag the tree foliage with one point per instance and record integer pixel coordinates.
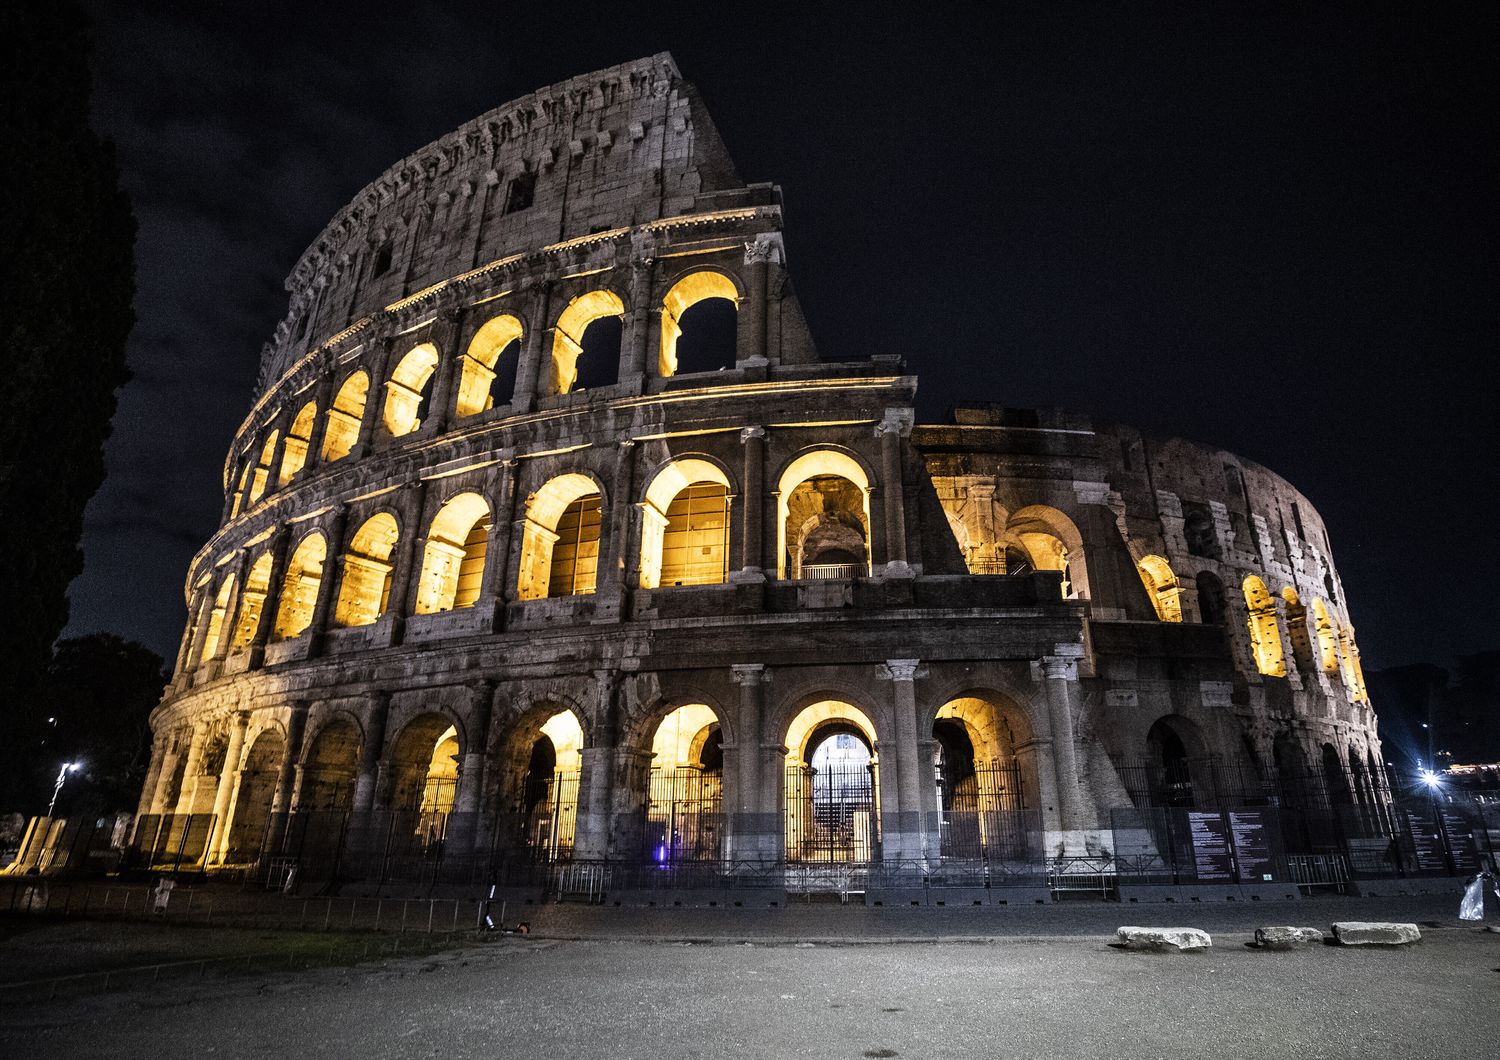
(67, 279)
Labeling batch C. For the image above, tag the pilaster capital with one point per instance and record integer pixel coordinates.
(902, 670)
(1060, 666)
(748, 433)
(898, 422)
(766, 247)
(748, 674)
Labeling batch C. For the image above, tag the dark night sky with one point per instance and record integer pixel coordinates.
(1274, 231)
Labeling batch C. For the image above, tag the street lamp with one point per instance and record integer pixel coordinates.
(62, 775)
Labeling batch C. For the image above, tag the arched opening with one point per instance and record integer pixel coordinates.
(252, 601)
(1296, 630)
(985, 772)
(698, 324)
(424, 775)
(1364, 797)
(685, 526)
(1352, 671)
(823, 524)
(544, 764)
(453, 560)
(262, 473)
(1328, 651)
(560, 539)
(406, 391)
(216, 640)
(1334, 780)
(298, 438)
(1042, 538)
(489, 366)
(299, 593)
(832, 786)
(1178, 772)
(341, 433)
(1161, 586)
(1199, 532)
(257, 791)
(365, 590)
(572, 341)
(684, 807)
(239, 490)
(1211, 600)
(330, 768)
(1265, 638)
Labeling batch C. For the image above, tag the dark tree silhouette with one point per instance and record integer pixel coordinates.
(67, 279)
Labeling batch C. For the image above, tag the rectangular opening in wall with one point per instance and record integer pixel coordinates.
(520, 193)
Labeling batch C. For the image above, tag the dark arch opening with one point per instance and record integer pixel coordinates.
(599, 363)
(503, 386)
(707, 342)
(1174, 778)
(1210, 598)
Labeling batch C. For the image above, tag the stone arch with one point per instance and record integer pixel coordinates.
(299, 590)
(560, 537)
(987, 772)
(1052, 542)
(341, 433)
(364, 590)
(1265, 637)
(262, 470)
(423, 762)
(298, 439)
(685, 787)
(540, 764)
(406, 390)
(216, 638)
(833, 778)
(453, 560)
(689, 290)
(568, 332)
(1334, 777)
(1212, 603)
(255, 796)
(481, 360)
(818, 518)
(685, 524)
(331, 765)
(1296, 630)
(1177, 763)
(1161, 586)
(253, 600)
(1323, 629)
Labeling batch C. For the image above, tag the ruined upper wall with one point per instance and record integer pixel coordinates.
(623, 146)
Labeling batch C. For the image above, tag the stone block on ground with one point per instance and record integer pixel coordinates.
(1372, 933)
(1167, 940)
(1287, 938)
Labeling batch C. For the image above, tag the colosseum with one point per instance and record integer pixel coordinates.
(552, 551)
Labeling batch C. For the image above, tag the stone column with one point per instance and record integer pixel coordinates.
(497, 553)
(616, 545)
(596, 775)
(1060, 684)
(188, 796)
(289, 774)
(752, 831)
(153, 777)
(232, 608)
(369, 752)
(634, 352)
(333, 570)
(752, 511)
(323, 394)
(760, 253)
(893, 428)
(227, 774)
(408, 558)
(444, 335)
(471, 769)
(533, 359)
(164, 776)
(374, 410)
(909, 841)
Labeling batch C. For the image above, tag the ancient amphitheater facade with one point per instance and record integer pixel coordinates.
(549, 538)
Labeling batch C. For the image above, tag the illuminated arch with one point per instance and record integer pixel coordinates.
(1265, 638)
(687, 292)
(344, 416)
(831, 798)
(453, 561)
(239, 492)
(685, 787)
(263, 468)
(816, 716)
(330, 767)
(252, 601)
(987, 778)
(1352, 671)
(818, 463)
(1161, 587)
(567, 340)
(479, 362)
(298, 438)
(406, 388)
(216, 639)
(685, 525)
(254, 794)
(299, 592)
(1051, 541)
(560, 539)
(1323, 628)
(424, 762)
(365, 589)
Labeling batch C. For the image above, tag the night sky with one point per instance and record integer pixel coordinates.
(1273, 231)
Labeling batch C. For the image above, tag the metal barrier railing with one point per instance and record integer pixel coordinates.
(1318, 870)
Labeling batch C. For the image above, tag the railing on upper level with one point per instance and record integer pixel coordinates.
(826, 571)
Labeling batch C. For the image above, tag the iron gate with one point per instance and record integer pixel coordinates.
(684, 816)
(549, 809)
(832, 814)
(984, 814)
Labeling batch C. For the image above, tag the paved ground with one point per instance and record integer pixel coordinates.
(1033, 983)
